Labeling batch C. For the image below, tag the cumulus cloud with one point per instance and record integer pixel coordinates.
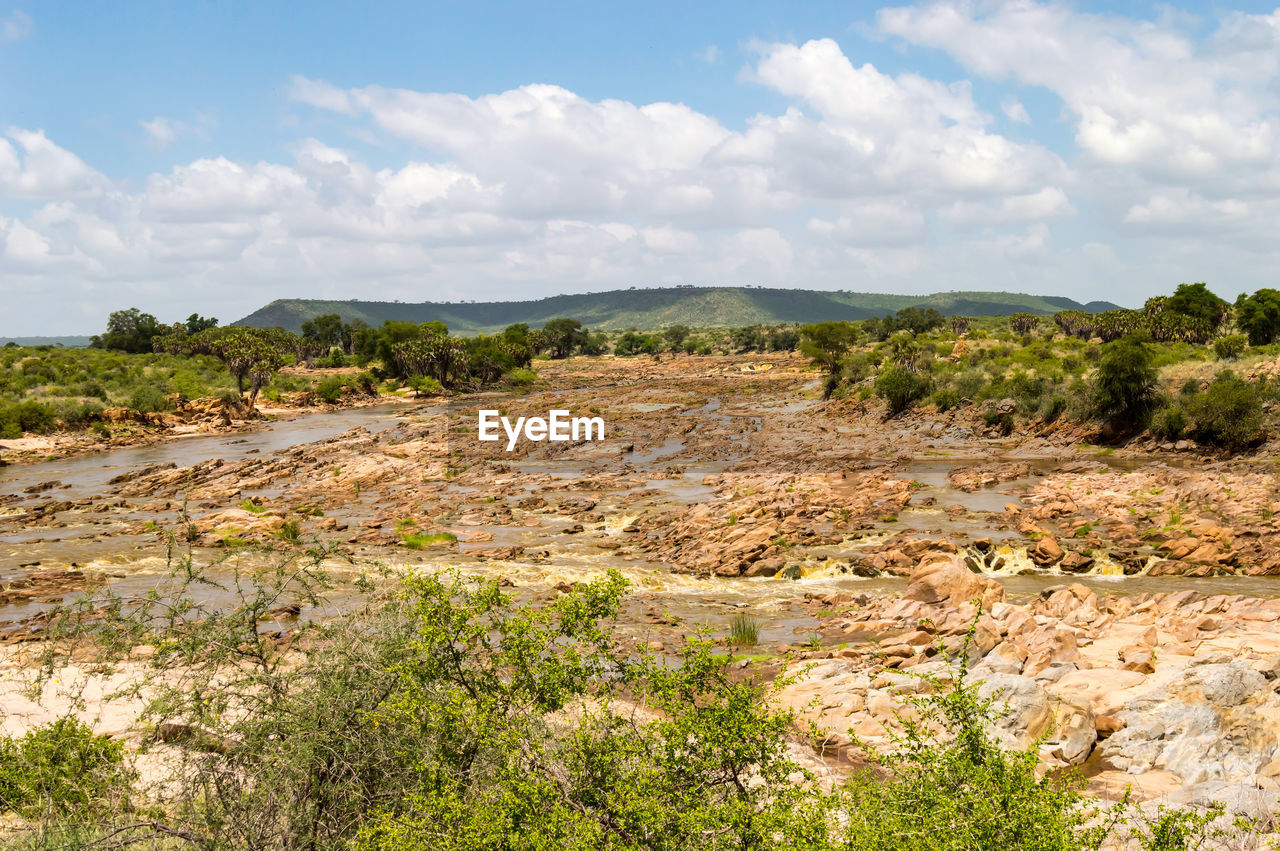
(862, 179)
(34, 168)
(1142, 94)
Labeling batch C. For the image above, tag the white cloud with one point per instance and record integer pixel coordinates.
(1144, 95)
(161, 132)
(37, 169)
(862, 179)
(1013, 108)
(16, 27)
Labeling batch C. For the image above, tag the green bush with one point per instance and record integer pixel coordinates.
(1228, 414)
(946, 399)
(523, 377)
(948, 786)
(900, 388)
(1229, 347)
(368, 383)
(61, 766)
(148, 399)
(1169, 422)
(425, 385)
(330, 389)
(29, 416)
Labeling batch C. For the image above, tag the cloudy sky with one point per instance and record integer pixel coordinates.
(211, 157)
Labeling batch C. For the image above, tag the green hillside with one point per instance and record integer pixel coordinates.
(704, 307)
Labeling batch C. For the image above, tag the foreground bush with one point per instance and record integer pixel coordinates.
(59, 767)
(441, 715)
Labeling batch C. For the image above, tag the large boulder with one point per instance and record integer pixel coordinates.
(1214, 722)
(946, 580)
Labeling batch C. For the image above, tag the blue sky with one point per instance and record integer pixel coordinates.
(210, 157)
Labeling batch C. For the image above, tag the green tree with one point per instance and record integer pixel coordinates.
(1023, 323)
(129, 331)
(324, 330)
(1258, 315)
(196, 323)
(826, 344)
(675, 336)
(563, 336)
(901, 388)
(1124, 389)
(1196, 301)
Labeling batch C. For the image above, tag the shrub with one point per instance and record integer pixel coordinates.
(946, 399)
(944, 761)
(30, 416)
(1001, 421)
(523, 377)
(1228, 414)
(900, 388)
(1169, 422)
(368, 383)
(78, 416)
(61, 766)
(148, 399)
(424, 385)
(1229, 347)
(330, 389)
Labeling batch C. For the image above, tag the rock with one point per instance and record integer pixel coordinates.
(1026, 710)
(765, 567)
(1217, 721)
(1138, 659)
(1005, 658)
(1046, 552)
(948, 581)
(1074, 562)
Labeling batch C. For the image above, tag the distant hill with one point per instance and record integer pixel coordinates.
(74, 342)
(700, 307)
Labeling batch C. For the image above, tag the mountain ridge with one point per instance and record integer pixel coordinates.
(659, 307)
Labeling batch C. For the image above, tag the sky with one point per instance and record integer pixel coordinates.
(210, 157)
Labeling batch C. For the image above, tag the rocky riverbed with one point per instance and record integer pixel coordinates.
(1130, 599)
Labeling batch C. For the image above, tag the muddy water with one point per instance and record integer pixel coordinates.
(87, 475)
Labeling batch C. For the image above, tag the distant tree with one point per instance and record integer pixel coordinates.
(826, 344)
(563, 336)
(196, 323)
(1258, 315)
(675, 336)
(631, 343)
(537, 341)
(918, 320)
(1196, 301)
(325, 331)
(960, 325)
(784, 339)
(129, 331)
(1023, 323)
(1124, 389)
